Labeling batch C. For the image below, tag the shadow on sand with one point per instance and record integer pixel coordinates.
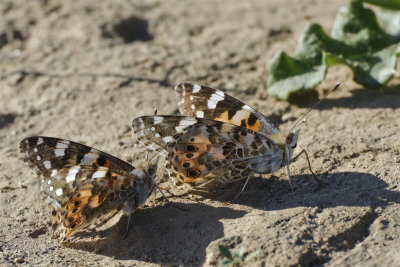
(162, 234)
(338, 189)
(388, 97)
(167, 235)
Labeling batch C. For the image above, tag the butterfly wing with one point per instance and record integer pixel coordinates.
(209, 103)
(156, 132)
(200, 149)
(84, 184)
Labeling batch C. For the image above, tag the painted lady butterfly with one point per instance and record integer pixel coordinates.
(85, 186)
(219, 138)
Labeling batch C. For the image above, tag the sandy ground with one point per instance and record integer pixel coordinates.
(83, 71)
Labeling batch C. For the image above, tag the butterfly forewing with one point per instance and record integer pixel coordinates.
(62, 153)
(206, 102)
(157, 131)
(84, 184)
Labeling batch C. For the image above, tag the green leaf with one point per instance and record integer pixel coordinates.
(357, 40)
(390, 21)
(358, 27)
(374, 70)
(391, 4)
(225, 252)
(288, 75)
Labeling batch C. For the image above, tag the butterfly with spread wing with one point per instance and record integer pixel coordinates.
(219, 138)
(85, 186)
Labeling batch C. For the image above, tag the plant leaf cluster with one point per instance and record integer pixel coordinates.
(358, 40)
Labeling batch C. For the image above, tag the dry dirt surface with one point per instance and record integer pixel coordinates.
(83, 70)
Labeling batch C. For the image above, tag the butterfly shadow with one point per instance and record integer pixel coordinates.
(337, 189)
(388, 97)
(162, 234)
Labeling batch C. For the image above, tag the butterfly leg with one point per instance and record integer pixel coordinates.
(319, 181)
(309, 164)
(127, 227)
(244, 186)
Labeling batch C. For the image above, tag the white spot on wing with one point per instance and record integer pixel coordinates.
(89, 157)
(51, 188)
(218, 96)
(158, 119)
(191, 98)
(196, 88)
(141, 124)
(54, 173)
(247, 107)
(214, 99)
(193, 106)
(99, 174)
(38, 158)
(72, 174)
(62, 145)
(239, 116)
(35, 150)
(59, 152)
(59, 192)
(180, 129)
(185, 123)
(212, 104)
(48, 181)
(157, 135)
(220, 93)
(47, 164)
(200, 114)
(167, 139)
(153, 128)
(39, 141)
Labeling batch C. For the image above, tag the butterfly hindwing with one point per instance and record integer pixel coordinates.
(201, 148)
(206, 102)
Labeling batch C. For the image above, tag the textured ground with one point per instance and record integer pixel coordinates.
(83, 71)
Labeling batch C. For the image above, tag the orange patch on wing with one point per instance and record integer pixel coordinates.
(114, 174)
(255, 127)
(96, 200)
(239, 117)
(223, 117)
(85, 193)
(107, 163)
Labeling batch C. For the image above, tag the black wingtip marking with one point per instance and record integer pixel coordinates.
(251, 120)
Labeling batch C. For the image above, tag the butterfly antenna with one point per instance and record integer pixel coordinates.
(155, 111)
(313, 107)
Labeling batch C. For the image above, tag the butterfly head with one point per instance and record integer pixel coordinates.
(148, 172)
(291, 144)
